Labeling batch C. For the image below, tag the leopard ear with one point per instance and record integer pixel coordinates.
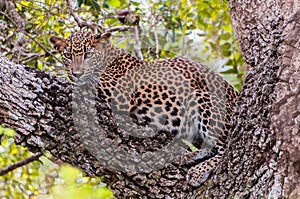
(58, 43)
(102, 37)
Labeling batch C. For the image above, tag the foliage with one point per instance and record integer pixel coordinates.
(197, 29)
(200, 30)
(22, 182)
(78, 186)
(43, 178)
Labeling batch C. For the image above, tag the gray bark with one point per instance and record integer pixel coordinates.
(262, 159)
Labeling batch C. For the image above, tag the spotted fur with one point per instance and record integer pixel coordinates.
(178, 95)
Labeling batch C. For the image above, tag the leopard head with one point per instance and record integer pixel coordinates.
(77, 49)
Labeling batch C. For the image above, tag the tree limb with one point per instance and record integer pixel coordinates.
(20, 163)
(19, 22)
(32, 38)
(120, 28)
(156, 43)
(17, 19)
(50, 114)
(81, 23)
(137, 48)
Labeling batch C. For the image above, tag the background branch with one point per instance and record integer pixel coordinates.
(19, 22)
(137, 47)
(81, 23)
(156, 43)
(20, 163)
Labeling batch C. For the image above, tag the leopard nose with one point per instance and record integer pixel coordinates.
(77, 73)
(76, 69)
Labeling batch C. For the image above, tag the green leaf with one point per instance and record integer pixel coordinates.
(225, 36)
(114, 3)
(7, 131)
(135, 3)
(226, 49)
(93, 3)
(229, 71)
(69, 173)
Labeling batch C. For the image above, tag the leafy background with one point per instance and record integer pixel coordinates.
(198, 29)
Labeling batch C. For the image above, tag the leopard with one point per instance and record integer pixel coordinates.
(178, 95)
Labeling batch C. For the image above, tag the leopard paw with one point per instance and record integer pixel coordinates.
(198, 175)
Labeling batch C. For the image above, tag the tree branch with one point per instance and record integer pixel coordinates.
(81, 23)
(33, 39)
(33, 56)
(156, 42)
(137, 48)
(261, 161)
(17, 19)
(19, 22)
(78, 127)
(20, 163)
(120, 28)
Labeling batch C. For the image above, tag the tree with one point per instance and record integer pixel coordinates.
(261, 159)
(32, 101)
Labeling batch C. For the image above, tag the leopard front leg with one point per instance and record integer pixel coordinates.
(209, 122)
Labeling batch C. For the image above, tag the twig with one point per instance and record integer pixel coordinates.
(120, 28)
(33, 56)
(156, 43)
(20, 163)
(5, 48)
(81, 23)
(136, 43)
(28, 35)
(40, 45)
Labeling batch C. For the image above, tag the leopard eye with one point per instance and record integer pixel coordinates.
(68, 55)
(88, 55)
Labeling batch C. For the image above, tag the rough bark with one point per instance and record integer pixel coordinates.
(52, 115)
(285, 112)
(262, 159)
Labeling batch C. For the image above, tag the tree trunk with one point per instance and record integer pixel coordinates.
(262, 160)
